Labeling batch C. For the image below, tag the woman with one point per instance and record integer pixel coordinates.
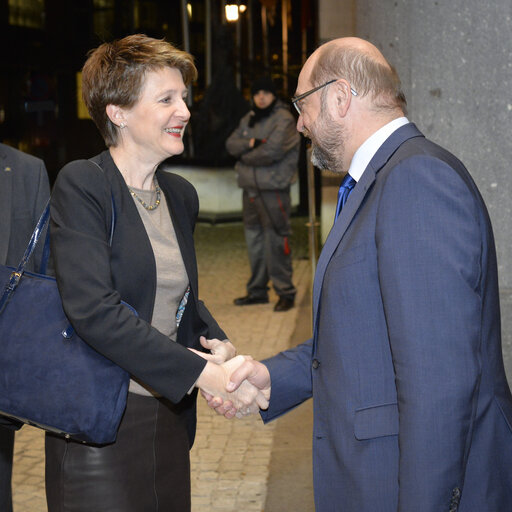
(135, 90)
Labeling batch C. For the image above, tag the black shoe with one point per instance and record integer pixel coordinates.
(284, 304)
(248, 300)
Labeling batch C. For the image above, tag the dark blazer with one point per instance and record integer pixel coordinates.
(93, 278)
(24, 190)
(412, 410)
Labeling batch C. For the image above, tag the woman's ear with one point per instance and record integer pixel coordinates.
(116, 115)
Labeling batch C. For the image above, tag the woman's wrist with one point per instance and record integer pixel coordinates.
(210, 379)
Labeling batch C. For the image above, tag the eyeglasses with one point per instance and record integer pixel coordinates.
(296, 100)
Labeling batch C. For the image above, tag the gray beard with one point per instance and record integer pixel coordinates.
(328, 155)
(321, 159)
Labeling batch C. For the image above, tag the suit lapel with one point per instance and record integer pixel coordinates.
(6, 192)
(351, 207)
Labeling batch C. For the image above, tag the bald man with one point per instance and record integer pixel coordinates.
(412, 410)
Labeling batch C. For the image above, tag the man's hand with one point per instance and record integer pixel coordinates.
(248, 371)
(244, 399)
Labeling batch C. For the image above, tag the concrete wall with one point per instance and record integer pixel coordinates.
(455, 61)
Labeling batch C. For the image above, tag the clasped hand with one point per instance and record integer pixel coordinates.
(238, 386)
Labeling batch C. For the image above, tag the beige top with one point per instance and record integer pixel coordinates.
(171, 275)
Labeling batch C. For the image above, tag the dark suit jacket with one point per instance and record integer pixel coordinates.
(93, 278)
(24, 190)
(412, 410)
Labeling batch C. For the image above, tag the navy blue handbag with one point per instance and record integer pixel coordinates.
(49, 377)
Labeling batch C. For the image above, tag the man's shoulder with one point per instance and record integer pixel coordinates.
(424, 148)
(18, 160)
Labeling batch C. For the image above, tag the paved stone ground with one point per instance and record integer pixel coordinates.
(230, 459)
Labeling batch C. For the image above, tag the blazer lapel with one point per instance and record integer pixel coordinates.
(6, 192)
(351, 207)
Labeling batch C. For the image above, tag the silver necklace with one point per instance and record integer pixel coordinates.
(142, 202)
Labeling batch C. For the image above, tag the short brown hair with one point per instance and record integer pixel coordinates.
(364, 73)
(114, 75)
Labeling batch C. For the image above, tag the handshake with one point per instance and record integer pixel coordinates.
(232, 385)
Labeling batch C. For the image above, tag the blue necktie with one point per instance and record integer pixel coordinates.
(346, 187)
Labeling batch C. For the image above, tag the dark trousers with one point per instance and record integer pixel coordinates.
(267, 229)
(147, 469)
(6, 453)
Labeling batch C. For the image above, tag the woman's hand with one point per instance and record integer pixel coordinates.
(247, 399)
(220, 351)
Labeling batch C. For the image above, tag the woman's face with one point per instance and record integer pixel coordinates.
(156, 123)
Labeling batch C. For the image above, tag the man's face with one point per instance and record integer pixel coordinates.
(317, 124)
(328, 142)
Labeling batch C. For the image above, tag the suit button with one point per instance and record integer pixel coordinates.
(316, 363)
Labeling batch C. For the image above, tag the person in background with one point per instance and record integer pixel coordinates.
(24, 191)
(135, 90)
(412, 409)
(266, 145)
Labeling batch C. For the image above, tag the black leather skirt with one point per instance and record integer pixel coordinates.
(147, 469)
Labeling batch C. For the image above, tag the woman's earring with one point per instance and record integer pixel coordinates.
(122, 125)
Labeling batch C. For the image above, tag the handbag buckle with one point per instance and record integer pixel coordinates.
(13, 282)
(9, 289)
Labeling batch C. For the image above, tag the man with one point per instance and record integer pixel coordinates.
(412, 410)
(267, 147)
(24, 190)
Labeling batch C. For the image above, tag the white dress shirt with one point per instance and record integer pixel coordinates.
(370, 146)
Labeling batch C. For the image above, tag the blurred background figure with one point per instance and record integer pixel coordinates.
(24, 191)
(266, 145)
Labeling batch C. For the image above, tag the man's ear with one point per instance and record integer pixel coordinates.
(115, 114)
(342, 97)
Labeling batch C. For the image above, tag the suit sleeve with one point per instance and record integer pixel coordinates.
(290, 374)
(428, 238)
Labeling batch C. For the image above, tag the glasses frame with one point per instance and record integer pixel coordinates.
(296, 99)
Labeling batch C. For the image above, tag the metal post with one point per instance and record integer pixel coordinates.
(264, 33)
(250, 32)
(284, 28)
(239, 52)
(208, 36)
(186, 47)
(186, 41)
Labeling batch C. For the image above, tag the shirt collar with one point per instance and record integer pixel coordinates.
(370, 146)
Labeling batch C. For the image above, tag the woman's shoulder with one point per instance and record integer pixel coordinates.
(81, 172)
(81, 178)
